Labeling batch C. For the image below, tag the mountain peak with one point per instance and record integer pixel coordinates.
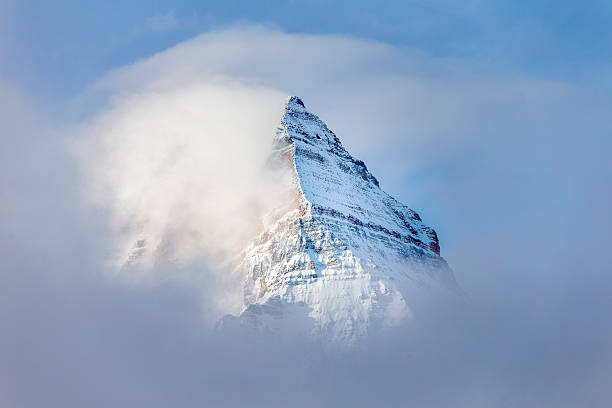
(346, 256)
(295, 100)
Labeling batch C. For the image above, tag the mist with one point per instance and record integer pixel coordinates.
(512, 172)
(182, 170)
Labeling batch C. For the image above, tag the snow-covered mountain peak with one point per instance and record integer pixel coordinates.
(335, 182)
(295, 101)
(346, 257)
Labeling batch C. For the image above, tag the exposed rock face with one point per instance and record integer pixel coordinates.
(345, 256)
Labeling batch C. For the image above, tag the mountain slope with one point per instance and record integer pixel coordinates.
(345, 256)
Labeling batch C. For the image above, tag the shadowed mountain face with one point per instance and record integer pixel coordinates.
(344, 258)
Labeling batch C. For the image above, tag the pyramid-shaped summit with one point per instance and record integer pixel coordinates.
(346, 257)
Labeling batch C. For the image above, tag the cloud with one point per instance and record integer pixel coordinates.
(182, 170)
(511, 171)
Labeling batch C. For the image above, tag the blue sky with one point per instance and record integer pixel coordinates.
(59, 46)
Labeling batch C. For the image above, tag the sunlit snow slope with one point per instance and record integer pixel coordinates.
(345, 257)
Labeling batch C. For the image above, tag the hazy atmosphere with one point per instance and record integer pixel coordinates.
(490, 119)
